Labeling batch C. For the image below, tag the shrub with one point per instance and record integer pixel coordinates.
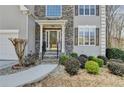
(99, 61)
(90, 57)
(82, 61)
(63, 59)
(92, 67)
(30, 59)
(82, 55)
(114, 53)
(122, 57)
(116, 68)
(75, 55)
(103, 58)
(72, 66)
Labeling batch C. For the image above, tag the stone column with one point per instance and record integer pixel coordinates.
(41, 38)
(103, 31)
(63, 38)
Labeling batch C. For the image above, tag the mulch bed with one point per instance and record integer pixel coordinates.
(59, 78)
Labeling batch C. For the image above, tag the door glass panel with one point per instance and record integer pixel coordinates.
(53, 39)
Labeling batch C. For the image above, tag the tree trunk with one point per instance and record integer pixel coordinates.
(19, 45)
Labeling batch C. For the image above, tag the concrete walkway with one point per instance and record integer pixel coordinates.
(27, 76)
(7, 63)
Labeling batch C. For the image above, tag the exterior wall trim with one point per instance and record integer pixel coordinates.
(51, 22)
(103, 31)
(9, 31)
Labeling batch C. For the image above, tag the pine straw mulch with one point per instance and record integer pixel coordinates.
(83, 79)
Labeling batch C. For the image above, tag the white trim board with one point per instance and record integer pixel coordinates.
(9, 31)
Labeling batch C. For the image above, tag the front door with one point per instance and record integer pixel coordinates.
(53, 40)
(52, 37)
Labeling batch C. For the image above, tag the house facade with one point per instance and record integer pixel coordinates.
(67, 28)
(16, 21)
(79, 28)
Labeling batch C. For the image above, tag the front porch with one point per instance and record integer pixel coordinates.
(52, 35)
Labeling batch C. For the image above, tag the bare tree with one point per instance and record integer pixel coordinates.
(111, 12)
(119, 22)
(19, 45)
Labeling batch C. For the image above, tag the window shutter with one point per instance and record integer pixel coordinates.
(76, 10)
(97, 36)
(76, 36)
(97, 10)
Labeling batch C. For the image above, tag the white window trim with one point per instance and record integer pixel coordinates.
(84, 11)
(53, 16)
(89, 35)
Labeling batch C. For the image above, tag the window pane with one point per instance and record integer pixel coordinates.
(86, 36)
(81, 37)
(81, 10)
(92, 10)
(53, 10)
(86, 9)
(92, 36)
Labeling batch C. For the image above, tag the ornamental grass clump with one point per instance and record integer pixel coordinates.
(72, 66)
(92, 67)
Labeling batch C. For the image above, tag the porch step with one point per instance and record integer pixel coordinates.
(52, 60)
(50, 56)
(50, 53)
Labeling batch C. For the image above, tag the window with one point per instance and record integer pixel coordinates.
(81, 10)
(53, 10)
(87, 10)
(81, 37)
(92, 36)
(87, 35)
(92, 9)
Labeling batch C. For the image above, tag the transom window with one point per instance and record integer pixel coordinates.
(87, 10)
(53, 10)
(87, 36)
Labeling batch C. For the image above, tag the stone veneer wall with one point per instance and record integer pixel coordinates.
(37, 38)
(67, 14)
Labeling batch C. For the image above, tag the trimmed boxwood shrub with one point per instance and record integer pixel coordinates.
(92, 67)
(103, 58)
(99, 61)
(116, 68)
(82, 61)
(72, 66)
(63, 59)
(83, 55)
(122, 57)
(90, 57)
(75, 55)
(114, 53)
